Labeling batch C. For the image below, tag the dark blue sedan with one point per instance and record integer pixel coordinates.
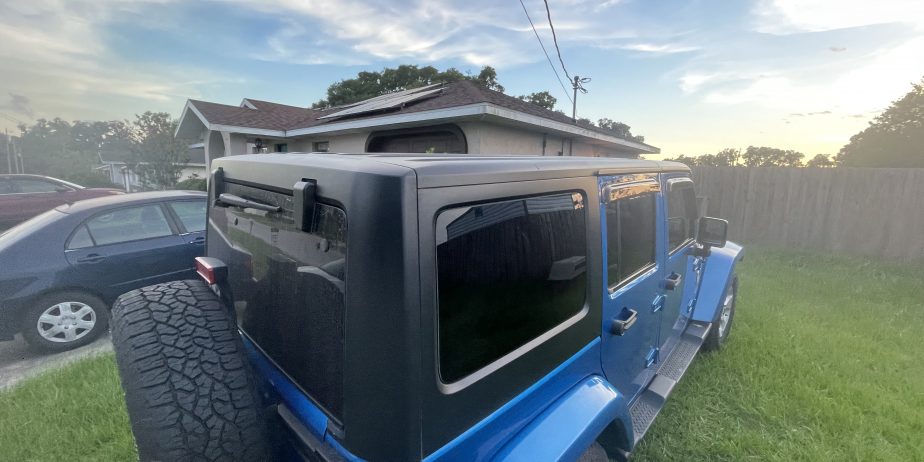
(61, 271)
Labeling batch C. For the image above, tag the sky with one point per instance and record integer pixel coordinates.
(693, 77)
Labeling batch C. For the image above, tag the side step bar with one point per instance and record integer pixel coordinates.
(650, 402)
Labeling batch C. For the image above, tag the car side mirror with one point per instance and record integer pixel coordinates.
(61, 189)
(712, 232)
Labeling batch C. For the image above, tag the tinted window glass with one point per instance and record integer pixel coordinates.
(289, 286)
(129, 224)
(191, 214)
(681, 213)
(81, 239)
(630, 236)
(508, 272)
(33, 186)
(5, 186)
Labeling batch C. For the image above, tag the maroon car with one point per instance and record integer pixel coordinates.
(25, 196)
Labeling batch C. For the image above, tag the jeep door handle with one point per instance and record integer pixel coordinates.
(92, 258)
(198, 241)
(672, 281)
(620, 326)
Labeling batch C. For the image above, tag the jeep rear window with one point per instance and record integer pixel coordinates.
(289, 287)
(508, 272)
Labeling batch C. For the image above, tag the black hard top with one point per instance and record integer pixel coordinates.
(440, 170)
(128, 199)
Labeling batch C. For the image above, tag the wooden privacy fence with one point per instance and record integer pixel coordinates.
(862, 211)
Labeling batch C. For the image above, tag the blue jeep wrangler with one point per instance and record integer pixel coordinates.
(427, 307)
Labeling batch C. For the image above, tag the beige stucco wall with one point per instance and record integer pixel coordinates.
(351, 142)
(493, 139)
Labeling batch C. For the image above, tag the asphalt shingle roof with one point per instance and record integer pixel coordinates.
(275, 116)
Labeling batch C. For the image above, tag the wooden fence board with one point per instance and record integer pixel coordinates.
(844, 210)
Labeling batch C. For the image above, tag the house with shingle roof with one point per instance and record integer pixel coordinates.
(458, 117)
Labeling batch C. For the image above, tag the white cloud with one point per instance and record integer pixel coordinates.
(792, 16)
(659, 48)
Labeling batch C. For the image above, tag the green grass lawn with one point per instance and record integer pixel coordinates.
(825, 362)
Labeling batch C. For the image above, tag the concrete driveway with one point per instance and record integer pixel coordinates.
(18, 361)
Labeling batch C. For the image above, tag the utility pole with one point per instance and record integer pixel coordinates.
(577, 85)
(9, 152)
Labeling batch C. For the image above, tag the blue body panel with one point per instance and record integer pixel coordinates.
(283, 390)
(717, 273)
(584, 411)
(484, 440)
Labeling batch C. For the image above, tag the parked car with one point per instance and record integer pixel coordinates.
(25, 196)
(430, 308)
(62, 270)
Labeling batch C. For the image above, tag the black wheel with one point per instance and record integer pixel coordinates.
(64, 320)
(722, 324)
(189, 389)
(595, 453)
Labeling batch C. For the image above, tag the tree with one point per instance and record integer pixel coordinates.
(155, 155)
(727, 157)
(689, 160)
(623, 131)
(371, 84)
(895, 138)
(771, 157)
(69, 151)
(820, 160)
(541, 98)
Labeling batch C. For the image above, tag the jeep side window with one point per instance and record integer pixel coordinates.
(630, 237)
(681, 213)
(508, 272)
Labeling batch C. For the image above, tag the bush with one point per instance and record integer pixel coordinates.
(192, 184)
(90, 179)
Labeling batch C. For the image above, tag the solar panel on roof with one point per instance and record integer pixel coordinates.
(388, 101)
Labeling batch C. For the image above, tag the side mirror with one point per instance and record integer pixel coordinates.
(712, 232)
(61, 189)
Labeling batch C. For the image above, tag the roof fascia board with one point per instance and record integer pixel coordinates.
(567, 128)
(247, 130)
(246, 103)
(190, 107)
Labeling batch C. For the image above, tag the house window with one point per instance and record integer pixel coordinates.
(432, 139)
(508, 272)
(321, 146)
(282, 147)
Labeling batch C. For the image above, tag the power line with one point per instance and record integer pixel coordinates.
(548, 13)
(547, 53)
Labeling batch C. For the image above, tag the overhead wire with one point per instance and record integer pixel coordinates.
(547, 57)
(548, 13)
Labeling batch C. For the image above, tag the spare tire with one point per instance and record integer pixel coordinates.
(189, 388)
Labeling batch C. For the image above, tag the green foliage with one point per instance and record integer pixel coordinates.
(368, 84)
(542, 99)
(811, 372)
(820, 161)
(90, 179)
(192, 184)
(60, 149)
(79, 407)
(684, 159)
(771, 157)
(622, 130)
(894, 139)
(155, 155)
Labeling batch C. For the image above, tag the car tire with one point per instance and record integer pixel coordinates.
(595, 453)
(64, 320)
(722, 324)
(189, 388)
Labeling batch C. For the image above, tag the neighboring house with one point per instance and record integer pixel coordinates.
(460, 117)
(116, 167)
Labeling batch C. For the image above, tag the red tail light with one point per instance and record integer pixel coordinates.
(213, 270)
